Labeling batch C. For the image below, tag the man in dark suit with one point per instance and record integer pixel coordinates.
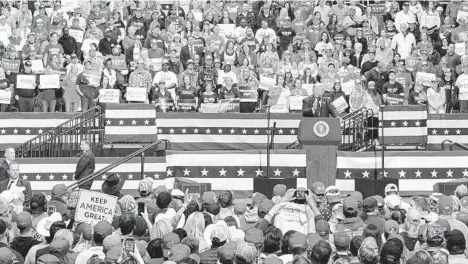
(188, 51)
(9, 158)
(14, 182)
(316, 106)
(85, 165)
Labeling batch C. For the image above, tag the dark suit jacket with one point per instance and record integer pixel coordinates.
(326, 108)
(185, 54)
(353, 60)
(4, 171)
(20, 183)
(85, 167)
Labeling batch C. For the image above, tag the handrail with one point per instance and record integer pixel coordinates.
(120, 162)
(41, 142)
(456, 144)
(67, 130)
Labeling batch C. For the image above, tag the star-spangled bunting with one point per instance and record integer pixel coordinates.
(224, 131)
(32, 131)
(404, 173)
(130, 121)
(235, 172)
(70, 176)
(447, 131)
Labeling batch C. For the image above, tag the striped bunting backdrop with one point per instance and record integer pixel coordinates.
(17, 128)
(403, 124)
(416, 170)
(223, 169)
(442, 127)
(130, 123)
(44, 173)
(228, 170)
(194, 131)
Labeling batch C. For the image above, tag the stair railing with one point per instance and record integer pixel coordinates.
(64, 140)
(132, 155)
(357, 130)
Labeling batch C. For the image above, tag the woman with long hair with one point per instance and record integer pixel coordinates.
(331, 27)
(436, 98)
(307, 76)
(282, 17)
(225, 18)
(229, 54)
(373, 100)
(286, 63)
(374, 232)
(430, 19)
(245, 53)
(323, 44)
(451, 91)
(195, 227)
(247, 78)
(270, 56)
(296, 89)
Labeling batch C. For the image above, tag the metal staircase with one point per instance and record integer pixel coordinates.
(357, 130)
(64, 140)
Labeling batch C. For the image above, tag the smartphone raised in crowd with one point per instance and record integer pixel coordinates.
(141, 208)
(129, 244)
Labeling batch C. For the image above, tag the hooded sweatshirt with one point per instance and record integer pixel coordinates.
(353, 226)
(23, 244)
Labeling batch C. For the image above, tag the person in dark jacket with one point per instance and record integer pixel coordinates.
(85, 165)
(25, 241)
(68, 42)
(4, 167)
(25, 95)
(14, 182)
(317, 106)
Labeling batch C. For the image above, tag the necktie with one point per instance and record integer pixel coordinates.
(191, 52)
(9, 185)
(317, 107)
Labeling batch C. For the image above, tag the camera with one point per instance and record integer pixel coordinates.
(301, 194)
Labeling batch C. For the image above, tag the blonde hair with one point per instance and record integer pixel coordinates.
(160, 229)
(65, 234)
(195, 225)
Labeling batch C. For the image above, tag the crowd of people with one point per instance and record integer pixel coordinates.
(208, 51)
(169, 226)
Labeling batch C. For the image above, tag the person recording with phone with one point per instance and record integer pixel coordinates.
(296, 211)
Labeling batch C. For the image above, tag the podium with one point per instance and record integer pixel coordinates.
(320, 138)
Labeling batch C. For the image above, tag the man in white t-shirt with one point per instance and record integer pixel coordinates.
(462, 84)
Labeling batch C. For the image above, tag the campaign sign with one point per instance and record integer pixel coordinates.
(295, 103)
(94, 207)
(412, 62)
(340, 104)
(395, 99)
(229, 105)
(378, 9)
(226, 30)
(118, 62)
(5, 96)
(426, 79)
(273, 95)
(136, 94)
(209, 108)
(49, 81)
(164, 105)
(11, 65)
(77, 34)
(93, 77)
(109, 96)
(26, 81)
(37, 66)
(248, 94)
(186, 105)
(267, 82)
